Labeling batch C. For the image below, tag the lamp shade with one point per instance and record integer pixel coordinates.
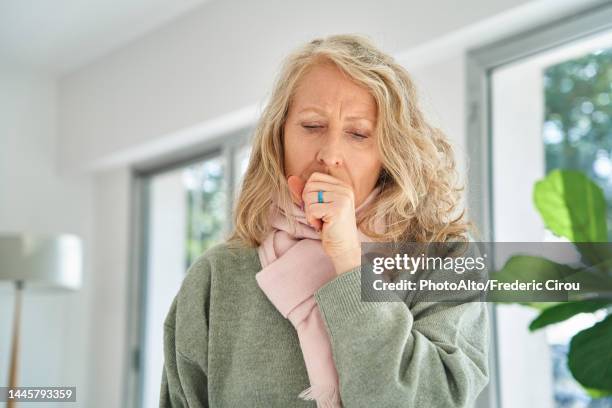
(42, 261)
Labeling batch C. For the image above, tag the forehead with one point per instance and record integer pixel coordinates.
(325, 87)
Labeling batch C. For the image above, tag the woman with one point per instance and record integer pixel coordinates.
(273, 316)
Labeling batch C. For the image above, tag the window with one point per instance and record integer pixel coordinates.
(577, 134)
(206, 205)
(530, 111)
(547, 113)
(578, 117)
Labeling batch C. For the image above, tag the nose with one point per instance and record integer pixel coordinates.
(331, 151)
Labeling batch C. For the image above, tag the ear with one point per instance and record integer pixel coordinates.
(296, 186)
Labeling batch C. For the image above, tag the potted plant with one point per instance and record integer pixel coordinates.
(573, 206)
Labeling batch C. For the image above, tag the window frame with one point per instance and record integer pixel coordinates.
(480, 62)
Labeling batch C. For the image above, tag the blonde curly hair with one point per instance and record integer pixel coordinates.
(419, 198)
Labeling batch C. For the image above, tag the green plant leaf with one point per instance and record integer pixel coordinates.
(572, 206)
(590, 356)
(596, 254)
(564, 311)
(595, 394)
(528, 268)
(540, 306)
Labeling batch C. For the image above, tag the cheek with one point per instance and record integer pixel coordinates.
(365, 165)
(299, 145)
(293, 153)
(364, 175)
(367, 174)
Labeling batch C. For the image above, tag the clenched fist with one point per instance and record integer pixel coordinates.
(334, 218)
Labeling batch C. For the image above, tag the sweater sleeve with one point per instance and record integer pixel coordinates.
(434, 354)
(184, 380)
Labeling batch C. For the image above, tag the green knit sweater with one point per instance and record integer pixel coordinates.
(226, 345)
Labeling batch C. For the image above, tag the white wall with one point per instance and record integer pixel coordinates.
(441, 88)
(222, 57)
(35, 198)
(107, 352)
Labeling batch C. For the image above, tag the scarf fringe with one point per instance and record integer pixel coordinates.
(325, 396)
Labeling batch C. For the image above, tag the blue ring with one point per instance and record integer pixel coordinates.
(320, 196)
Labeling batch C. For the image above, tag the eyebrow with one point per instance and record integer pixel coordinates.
(315, 109)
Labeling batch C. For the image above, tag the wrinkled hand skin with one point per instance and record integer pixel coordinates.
(335, 218)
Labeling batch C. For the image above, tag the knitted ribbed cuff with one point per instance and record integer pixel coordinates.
(340, 300)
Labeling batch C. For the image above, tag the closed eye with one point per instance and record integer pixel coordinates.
(312, 127)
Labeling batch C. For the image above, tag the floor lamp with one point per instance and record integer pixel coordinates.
(38, 262)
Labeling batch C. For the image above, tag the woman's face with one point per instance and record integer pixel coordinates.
(330, 129)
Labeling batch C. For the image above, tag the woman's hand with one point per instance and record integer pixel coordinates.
(334, 218)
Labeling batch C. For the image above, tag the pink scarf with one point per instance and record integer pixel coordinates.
(293, 268)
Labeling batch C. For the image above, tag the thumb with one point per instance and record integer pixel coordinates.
(296, 186)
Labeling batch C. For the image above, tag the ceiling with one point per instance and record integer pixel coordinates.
(60, 36)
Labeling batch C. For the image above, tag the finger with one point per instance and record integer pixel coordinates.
(318, 176)
(309, 202)
(337, 175)
(322, 212)
(296, 186)
(337, 192)
(323, 185)
(317, 214)
(312, 197)
(311, 219)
